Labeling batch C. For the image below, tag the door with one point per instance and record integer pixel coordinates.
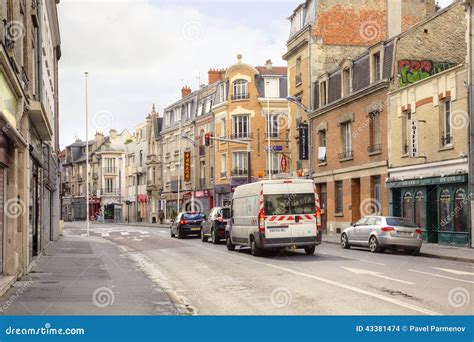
(357, 230)
(2, 217)
(367, 228)
(355, 199)
(324, 201)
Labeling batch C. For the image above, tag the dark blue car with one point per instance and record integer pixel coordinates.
(187, 223)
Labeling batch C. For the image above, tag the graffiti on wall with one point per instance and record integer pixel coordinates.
(411, 71)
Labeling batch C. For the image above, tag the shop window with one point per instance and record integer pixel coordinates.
(445, 219)
(339, 197)
(460, 211)
(420, 209)
(408, 206)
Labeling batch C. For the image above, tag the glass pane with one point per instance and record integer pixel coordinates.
(401, 222)
(286, 204)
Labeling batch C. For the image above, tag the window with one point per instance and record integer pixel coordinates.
(446, 134)
(408, 206)
(323, 93)
(109, 185)
(346, 81)
(208, 106)
(298, 19)
(375, 138)
(405, 133)
(272, 126)
(141, 158)
(288, 204)
(376, 186)
(239, 163)
(338, 197)
(200, 107)
(240, 90)
(241, 127)
(171, 117)
(81, 193)
(298, 75)
(223, 128)
(346, 135)
(222, 92)
(274, 162)
(446, 220)
(272, 87)
(223, 165)
(376, 65)
(420, 212)
(322, 146)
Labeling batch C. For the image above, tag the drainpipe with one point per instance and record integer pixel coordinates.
(39, 54)
(470, 109)
(310, 106)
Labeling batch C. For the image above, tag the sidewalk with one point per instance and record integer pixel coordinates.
(85, 276)
(430, 250)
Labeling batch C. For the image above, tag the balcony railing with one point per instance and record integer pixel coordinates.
(109, 191)
(202, 150)
(24, 78)
(374, 148)
(446, 139)
(239, 173)
(273, 135)
(271, 172)
(243, 96)
(347, 154)
(298, 79)
(109, 170)
(241, 135)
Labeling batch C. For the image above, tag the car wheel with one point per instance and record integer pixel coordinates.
(172, 234)
(230, 245)
(214, 238)
(374, 245)
(310, 250)
(413, 251)
(254, 249)
(180, 234)
(203, 236)
(345, 241)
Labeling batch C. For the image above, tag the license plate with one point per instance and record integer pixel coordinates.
(406, 234)
(197, 228)
(277, 229)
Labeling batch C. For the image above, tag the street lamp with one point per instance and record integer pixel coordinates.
(86, 74)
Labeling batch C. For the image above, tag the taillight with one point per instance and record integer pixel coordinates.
(318, 218)
(182, 222)
(388, 229)
(418, 231)
(261, 221)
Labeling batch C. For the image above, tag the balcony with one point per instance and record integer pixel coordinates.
(110, 191)
(298, 79)
(223, 174)
(241, 135)
(236, 173)
(374, 149)
(202, 150)
(271, 172)
(243, 96)
(345, 155)
(110, 170)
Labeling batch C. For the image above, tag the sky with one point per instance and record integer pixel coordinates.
(139, 53)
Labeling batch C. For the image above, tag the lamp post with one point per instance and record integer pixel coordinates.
(268, 136)
(86, 74)
(307, 110)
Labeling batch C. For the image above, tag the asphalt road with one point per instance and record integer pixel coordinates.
(210, 280)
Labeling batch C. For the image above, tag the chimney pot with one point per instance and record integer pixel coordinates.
(185, 91)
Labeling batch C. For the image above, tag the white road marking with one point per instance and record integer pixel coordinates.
(359, 271)
(104, 235)
(327, 281)
(162, 232)
(454, 271)
(363, 260)
(125, 233)
(442, 276)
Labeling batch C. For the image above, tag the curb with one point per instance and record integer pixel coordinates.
(427, 255)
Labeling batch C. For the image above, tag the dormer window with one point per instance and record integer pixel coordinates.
(323, 99)
(240, 90)
(376, 67)
(298, 19)
(346, 81)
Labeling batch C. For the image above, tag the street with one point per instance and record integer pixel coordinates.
(207, 279)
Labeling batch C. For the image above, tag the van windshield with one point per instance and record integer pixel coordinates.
(286, 204)
(225, 213)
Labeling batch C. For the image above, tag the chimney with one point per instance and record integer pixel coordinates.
(99, 138)
(113, 134)
(185, 91)
(269, 64)
(214, 75)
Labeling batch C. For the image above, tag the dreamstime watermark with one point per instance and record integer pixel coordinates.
(459, 297)
(370, 206)
(103, 120)
(47, 329)
(281, 297)
(459, 119)
(457, 209)
(14, 297)
(14, 208)
(370, 31)
(194, 205)
(14, 30)
(192, 30)
(103, 297)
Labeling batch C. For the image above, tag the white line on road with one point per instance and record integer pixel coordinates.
(453, 271)
(442, 276)
(363, 260)
(375, 274)
(327, 281)
(125, 233)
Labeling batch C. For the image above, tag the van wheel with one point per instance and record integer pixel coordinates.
(214, 238)
(230, 245)
(254, 249)
(345, 241)
(310, 250)
(374, 245)
(203, 236)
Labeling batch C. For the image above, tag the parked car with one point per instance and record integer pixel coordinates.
(381, 232)
(275, 214)
(187, 223)
(214, 225)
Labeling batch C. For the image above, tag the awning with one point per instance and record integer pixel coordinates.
(40, 120)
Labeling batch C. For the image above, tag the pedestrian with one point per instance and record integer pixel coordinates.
(161, 215)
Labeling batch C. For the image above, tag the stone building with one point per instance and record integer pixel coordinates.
(251, 107)
(428, 159)
(136, 198)
(29, 199)
(325, 32)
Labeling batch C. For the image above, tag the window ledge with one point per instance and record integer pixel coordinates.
(375, 153)
(323, 163)
(338, 215)
(405, 155)
(239, 100)
(446, 148)
(345, 159)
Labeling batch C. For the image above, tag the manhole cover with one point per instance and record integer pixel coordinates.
(233, 288)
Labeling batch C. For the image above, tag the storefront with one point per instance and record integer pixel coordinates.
(6, 160)
(438, 205)
(223, 194)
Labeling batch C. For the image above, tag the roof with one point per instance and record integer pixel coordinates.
(274, 71)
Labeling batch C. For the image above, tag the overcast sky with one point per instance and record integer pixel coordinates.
(141, 52)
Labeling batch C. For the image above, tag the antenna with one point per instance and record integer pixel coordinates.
(199, 80)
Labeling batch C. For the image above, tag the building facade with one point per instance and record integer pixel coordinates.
(29, 111)
(428, 171)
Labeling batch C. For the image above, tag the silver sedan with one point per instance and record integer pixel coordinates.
(382, 232)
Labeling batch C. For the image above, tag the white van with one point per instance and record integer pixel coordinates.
(275, 214)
